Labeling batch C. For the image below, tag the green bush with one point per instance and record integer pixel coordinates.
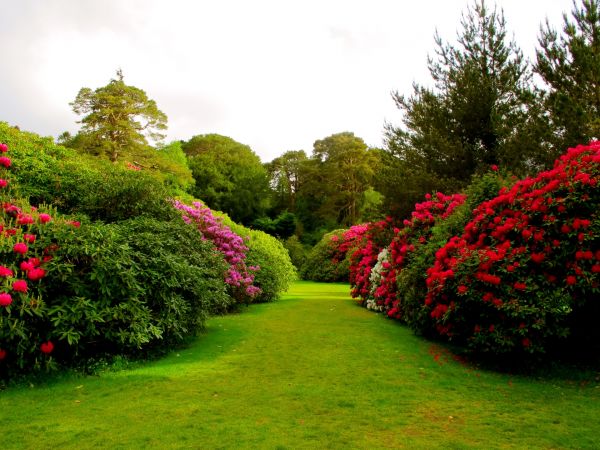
(156, 280)
(321, 263)
(134, 288)
(46, 173)
(297, 251)
(276, 268)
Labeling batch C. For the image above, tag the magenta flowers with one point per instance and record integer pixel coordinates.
(239, 276)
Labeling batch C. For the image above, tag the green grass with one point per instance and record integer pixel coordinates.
(312, 370)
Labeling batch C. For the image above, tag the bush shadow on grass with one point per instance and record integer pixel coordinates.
(579, 366)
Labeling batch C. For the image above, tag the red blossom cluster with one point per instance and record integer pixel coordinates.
(414, 233)
(364, 257)
(527, 259)
(19, 266)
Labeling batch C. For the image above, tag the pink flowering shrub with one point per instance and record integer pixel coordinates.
(239, 276)
(525, 273)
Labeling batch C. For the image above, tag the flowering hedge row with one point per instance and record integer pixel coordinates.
(239, 277)
(527, 264)
(407, 240)
(22, 269)
(130, 279)
(519, 276)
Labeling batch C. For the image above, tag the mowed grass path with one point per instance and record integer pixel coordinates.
(312, 370)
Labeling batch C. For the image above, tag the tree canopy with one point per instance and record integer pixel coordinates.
(569, 64)
(480, 111)
(117, 118)
(229, 176)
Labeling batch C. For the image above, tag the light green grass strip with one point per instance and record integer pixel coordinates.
(312, 370)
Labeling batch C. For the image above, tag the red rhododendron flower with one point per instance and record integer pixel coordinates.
(24, 219)
(3, 148)
(45, 218)
(462, 289)
(5, 299)
(3, 183)
(36, 274)
(494, 167)
(2, 354)
(47, 347)
(526, 342)
(35, 261)
(29, 238)
(4, 161)
(537, 257)
(520, 286)
(20, 286)
(20, 247)
(571, 280)
(5, 272)
(25, 266)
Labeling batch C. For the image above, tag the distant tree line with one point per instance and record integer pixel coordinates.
(484, 107)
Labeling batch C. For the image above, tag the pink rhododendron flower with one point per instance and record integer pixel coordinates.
(4, 161)
(25, 266)
(45, 218)
(20, 286)
(5, 299)
(24, 219)
(3, 148)
(36, 273)
(5, 272)
(20, 247)
(229, 244)
(3, 183)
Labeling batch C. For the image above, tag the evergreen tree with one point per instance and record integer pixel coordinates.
(480, 111)
(570, 66)
(117, 118)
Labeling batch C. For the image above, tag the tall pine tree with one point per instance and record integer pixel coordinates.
(570, 66)
(478, 112)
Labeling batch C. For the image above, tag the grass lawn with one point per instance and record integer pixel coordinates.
(312, 370)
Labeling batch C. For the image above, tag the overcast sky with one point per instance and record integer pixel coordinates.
(275, 75)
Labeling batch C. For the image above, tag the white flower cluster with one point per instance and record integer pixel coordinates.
(375, 279)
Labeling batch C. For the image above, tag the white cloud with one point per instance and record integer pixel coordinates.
(274, 75)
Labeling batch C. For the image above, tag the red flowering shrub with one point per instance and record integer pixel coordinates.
(364, 257)
(524, 273)
(410, 238)
(22, 256)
